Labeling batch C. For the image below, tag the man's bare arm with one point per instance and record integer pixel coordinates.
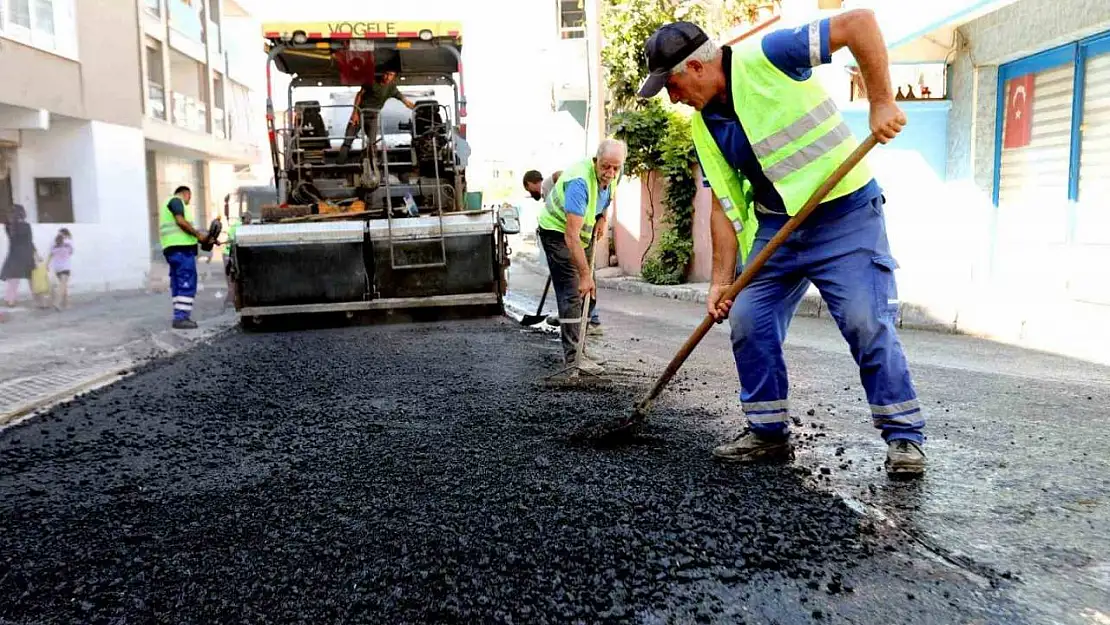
(725, 247)
(859, 31)
(187, 227)
(577, 253)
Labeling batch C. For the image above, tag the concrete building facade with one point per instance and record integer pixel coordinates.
(93, 134)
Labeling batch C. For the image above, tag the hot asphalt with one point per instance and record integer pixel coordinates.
(416, 473)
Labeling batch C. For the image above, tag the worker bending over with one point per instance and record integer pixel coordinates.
(570, 224)
(767, 136)
(539, 188)
(179, 241)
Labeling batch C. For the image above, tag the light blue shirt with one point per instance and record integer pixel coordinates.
(577, 197)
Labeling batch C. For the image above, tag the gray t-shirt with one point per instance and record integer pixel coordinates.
(546, 185)
(374, 96)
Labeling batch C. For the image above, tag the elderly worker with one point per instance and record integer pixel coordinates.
(572, 219)
(767, 135)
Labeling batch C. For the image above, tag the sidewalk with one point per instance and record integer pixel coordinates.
(46, 355)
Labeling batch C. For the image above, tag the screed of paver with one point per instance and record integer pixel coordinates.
(414, 474)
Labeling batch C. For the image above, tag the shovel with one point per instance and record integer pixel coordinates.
(531, 320)
(623, 425)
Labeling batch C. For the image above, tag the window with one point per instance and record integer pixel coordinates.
(44, 16)
(1051, 121)
(915, 81)
(572, 19)
(185, 18)
(154, 7)
(156, 97)
(20, 13)
(49, 25)
(54, 198)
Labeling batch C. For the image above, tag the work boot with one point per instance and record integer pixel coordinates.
(749, 448)
(593, 357)
(588, 366)
(184, 324)
(594, 329)
(553, 320)
(904, 459)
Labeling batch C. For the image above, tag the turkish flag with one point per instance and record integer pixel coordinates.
(1019, 112)
(356, 67)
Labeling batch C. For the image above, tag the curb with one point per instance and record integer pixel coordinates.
(168, 343)
(910, 316)
(32, 408)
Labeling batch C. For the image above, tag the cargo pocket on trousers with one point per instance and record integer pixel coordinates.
(886, 289)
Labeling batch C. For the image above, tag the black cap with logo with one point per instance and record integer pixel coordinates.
(668, 46)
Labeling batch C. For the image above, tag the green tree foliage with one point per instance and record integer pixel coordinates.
(658, 133)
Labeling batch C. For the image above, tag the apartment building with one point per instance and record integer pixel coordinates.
(106, 106)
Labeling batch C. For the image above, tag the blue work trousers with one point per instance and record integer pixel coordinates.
(848, 259)
(183, 280)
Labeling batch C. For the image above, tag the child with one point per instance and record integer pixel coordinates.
(59, 263)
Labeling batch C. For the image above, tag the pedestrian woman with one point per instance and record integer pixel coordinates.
(20, 261)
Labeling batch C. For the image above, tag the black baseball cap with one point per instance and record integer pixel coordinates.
(668, 46)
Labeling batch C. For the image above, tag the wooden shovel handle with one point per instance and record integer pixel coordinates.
(755, 265)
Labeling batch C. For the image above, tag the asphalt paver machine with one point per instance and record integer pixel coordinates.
(388, 223)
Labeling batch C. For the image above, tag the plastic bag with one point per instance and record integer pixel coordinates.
(40, 280)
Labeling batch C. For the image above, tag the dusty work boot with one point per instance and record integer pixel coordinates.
(184, 324)
(594, 329)
(749, 448)
(588, 366)
(904, 459)
(593, 356)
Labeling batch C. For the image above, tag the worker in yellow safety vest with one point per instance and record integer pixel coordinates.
(179, 239)
(767, 135)
(229, 265)
(571, 224)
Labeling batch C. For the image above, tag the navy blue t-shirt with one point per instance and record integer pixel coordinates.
(789, 50)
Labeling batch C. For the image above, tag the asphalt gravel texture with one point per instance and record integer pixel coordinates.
(416, 473)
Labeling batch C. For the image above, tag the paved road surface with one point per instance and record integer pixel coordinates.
(415, 473)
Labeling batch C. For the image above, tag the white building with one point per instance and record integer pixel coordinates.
(106, 107)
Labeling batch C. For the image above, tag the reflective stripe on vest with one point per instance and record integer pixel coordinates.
(731, 189)
(554, 216)
(169, 233)
(797, 132)
(798, 135)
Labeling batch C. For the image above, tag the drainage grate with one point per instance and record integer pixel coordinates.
(19, 394)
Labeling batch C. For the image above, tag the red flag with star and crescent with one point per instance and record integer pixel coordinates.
(1019, 112)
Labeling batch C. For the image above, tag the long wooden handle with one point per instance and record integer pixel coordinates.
(754, 266)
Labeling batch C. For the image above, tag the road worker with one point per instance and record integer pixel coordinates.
(571, 223)
(229, 269)
(767, 135)
(372, 98)
(179, 239)
(539, 188)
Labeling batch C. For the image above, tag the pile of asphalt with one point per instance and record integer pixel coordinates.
(414, 473)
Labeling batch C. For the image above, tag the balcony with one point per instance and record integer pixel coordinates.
(156, 101)
(189, 113)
